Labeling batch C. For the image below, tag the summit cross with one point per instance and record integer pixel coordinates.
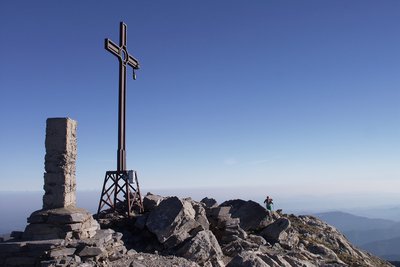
(119, 192)
(125, 59)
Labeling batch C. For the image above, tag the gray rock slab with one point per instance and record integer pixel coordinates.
(200, 216)
(173, 219)
(272, 233)
(91, 251)
(251, 214)
(150, 201)
(201, 248)
(43, 232)
(62, 215)
(60, 252)
(75, 217)
(221, 213)
(45, 244)
(209, 202)
(100, 238)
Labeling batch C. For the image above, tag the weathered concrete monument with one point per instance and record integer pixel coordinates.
(60, 218)
(59, 179)
(60, 234)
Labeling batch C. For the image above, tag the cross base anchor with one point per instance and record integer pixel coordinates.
(119, 193)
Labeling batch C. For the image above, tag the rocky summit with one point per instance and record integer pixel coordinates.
(182, 232)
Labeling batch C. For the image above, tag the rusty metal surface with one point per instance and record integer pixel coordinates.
(118, 194)
(124, 58)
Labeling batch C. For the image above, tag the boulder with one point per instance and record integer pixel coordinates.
(274, 232)
(289, 239)
(251, 214)
(200, 216)
(172, 220)
(218, 215)
(203, 247)
(209, 202)
(150, 201)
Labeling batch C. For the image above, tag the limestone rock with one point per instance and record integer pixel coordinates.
(59, 252)
(150, 201)
(209, 202)
(251, 214)
(273, 232)
(43, 232)
(60, 223)
(91, 251)
(200, 216)
(172, 220)
(201, 248)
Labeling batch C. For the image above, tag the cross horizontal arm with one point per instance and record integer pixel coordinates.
(112, 47)
(133, 62)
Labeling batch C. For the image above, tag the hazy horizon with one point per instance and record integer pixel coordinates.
(25, 202)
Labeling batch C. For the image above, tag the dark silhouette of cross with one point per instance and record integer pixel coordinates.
(124, 59)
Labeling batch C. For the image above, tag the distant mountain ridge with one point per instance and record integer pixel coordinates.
(380, 237)
(348, 222)
(389, 213)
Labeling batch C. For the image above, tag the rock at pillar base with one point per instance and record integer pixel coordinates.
(60, 223)
(59, 179)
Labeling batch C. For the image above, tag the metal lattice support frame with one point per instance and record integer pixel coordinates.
(119, 194)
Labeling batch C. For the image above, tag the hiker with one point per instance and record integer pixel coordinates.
(268, 202)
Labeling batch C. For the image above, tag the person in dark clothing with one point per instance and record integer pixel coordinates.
(268, 203)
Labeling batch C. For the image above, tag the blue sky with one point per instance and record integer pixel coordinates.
(290, 96)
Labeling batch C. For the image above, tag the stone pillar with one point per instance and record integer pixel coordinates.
(59, 178)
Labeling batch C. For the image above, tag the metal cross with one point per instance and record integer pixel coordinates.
(124, 59)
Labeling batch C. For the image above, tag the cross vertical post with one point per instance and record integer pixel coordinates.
(124, 59)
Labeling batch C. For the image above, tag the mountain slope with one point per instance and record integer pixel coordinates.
(388, 249)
